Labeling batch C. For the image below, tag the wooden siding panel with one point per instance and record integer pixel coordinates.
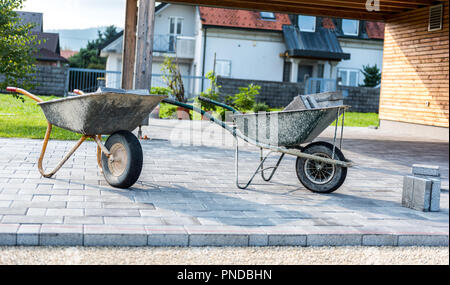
(415, 80)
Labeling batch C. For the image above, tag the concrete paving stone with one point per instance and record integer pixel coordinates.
(123, 235)
(130, 205)
(5, 204)
(379, 240)
(13, 211)
(112, 212)
(426, 170)
(15, 197)
(28, 235)
(65, 212)
(167, 236)
(36, 211)
(12, 219)
(423, 240)
(31, 204)
(180, 221)
(83, 220)
(84, 205)
(67, 198)
(133, 221)
(218, 240)
(8, 234)
(61, 235)
(334, 240)
(287, 240)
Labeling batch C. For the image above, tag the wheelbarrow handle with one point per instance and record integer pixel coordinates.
(207, 100)
(24, 92)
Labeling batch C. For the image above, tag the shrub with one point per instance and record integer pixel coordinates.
(260, 107)
(160, 90)
(245, 99)
(210, 93)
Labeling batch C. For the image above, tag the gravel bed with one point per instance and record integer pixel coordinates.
(225, 255)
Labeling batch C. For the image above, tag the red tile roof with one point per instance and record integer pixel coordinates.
(375, 30)
(68, 53)
(241, 19)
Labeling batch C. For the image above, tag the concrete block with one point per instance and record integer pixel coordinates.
(287, 240)
(435, 195)
(426, 170)
(334, 240)
(379, 240)
(61, 235)
(423, 240)
(168, 240)
(218, 240)
(416, 193)
(28, 235)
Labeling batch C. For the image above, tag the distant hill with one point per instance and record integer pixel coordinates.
(76, 39)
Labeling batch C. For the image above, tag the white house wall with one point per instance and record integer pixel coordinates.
(363, 52)
(253, 55)
(185, 12)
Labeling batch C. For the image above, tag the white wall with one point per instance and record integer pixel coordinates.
(186, 12)
(363, 52)
(253, 55)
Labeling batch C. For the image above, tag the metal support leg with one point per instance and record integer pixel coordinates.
(64, 160)
(258, 169)
(274, 169)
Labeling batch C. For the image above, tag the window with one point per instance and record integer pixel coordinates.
(175, 29)
(349, 77)
(267, 16)
(350, 27)
(223, 68)
(307, 23)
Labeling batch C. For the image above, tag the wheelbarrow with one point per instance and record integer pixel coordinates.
(111, 112)
(321, 166)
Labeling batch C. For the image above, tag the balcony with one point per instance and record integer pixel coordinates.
(183, 47)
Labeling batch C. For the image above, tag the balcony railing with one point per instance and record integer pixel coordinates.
(182, 46)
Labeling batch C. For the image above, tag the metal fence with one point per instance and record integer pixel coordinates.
(88, 80)
(318, 85)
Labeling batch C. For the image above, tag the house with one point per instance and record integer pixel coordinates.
(48, 47)
(252, 45)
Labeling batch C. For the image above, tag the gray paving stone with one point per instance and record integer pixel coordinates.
(218, 240)
(104, 235)
(423, 240)
(61, 235)
(12, 219)
(258, 240)
(426, 170)
(168, 240)
(435, 204)
(287, 240)
(28, 235)
(380, 240)
(113, 212)
(83, 220)
(65, 212)
(334, 240)
(8, 234)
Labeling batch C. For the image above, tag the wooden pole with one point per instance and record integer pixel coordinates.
(144, 47)
(129, 45)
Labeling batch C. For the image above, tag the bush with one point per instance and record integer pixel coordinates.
(260, 107)
(245, 99)
(167, 110)
(160, 90)
(210, 93)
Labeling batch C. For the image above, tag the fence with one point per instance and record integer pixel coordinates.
(319, 85)
(87, 81)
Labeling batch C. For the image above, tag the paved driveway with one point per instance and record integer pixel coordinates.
(186, 195)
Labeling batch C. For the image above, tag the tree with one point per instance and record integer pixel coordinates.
(372, 75)
(172, 77)
(89, 57)
(17, 46)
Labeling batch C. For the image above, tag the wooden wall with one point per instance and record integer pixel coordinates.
(416, 70)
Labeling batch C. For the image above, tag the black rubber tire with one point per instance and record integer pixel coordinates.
(133, 167)
(340, 173)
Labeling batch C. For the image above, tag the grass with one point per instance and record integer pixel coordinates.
(26, 120)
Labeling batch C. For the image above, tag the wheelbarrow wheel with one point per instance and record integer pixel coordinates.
(317, 176)
(123, 168)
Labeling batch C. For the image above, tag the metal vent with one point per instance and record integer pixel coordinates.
(435, 21)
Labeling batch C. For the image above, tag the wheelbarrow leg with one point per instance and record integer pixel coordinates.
(99, 153)
(64, 160)
(274, 169)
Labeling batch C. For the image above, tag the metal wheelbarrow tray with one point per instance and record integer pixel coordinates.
(113, 112)
(321, 166)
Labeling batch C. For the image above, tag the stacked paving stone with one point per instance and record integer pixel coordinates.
(422, 190)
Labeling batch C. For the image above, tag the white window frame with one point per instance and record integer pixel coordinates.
(268, 18)
(306, 30)
(225, 61)
(175, 28)
(350, 34)
(348, 71)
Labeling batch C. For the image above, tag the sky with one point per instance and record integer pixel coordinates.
(78, 14)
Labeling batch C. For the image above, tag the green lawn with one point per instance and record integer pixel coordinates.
(26, 120)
